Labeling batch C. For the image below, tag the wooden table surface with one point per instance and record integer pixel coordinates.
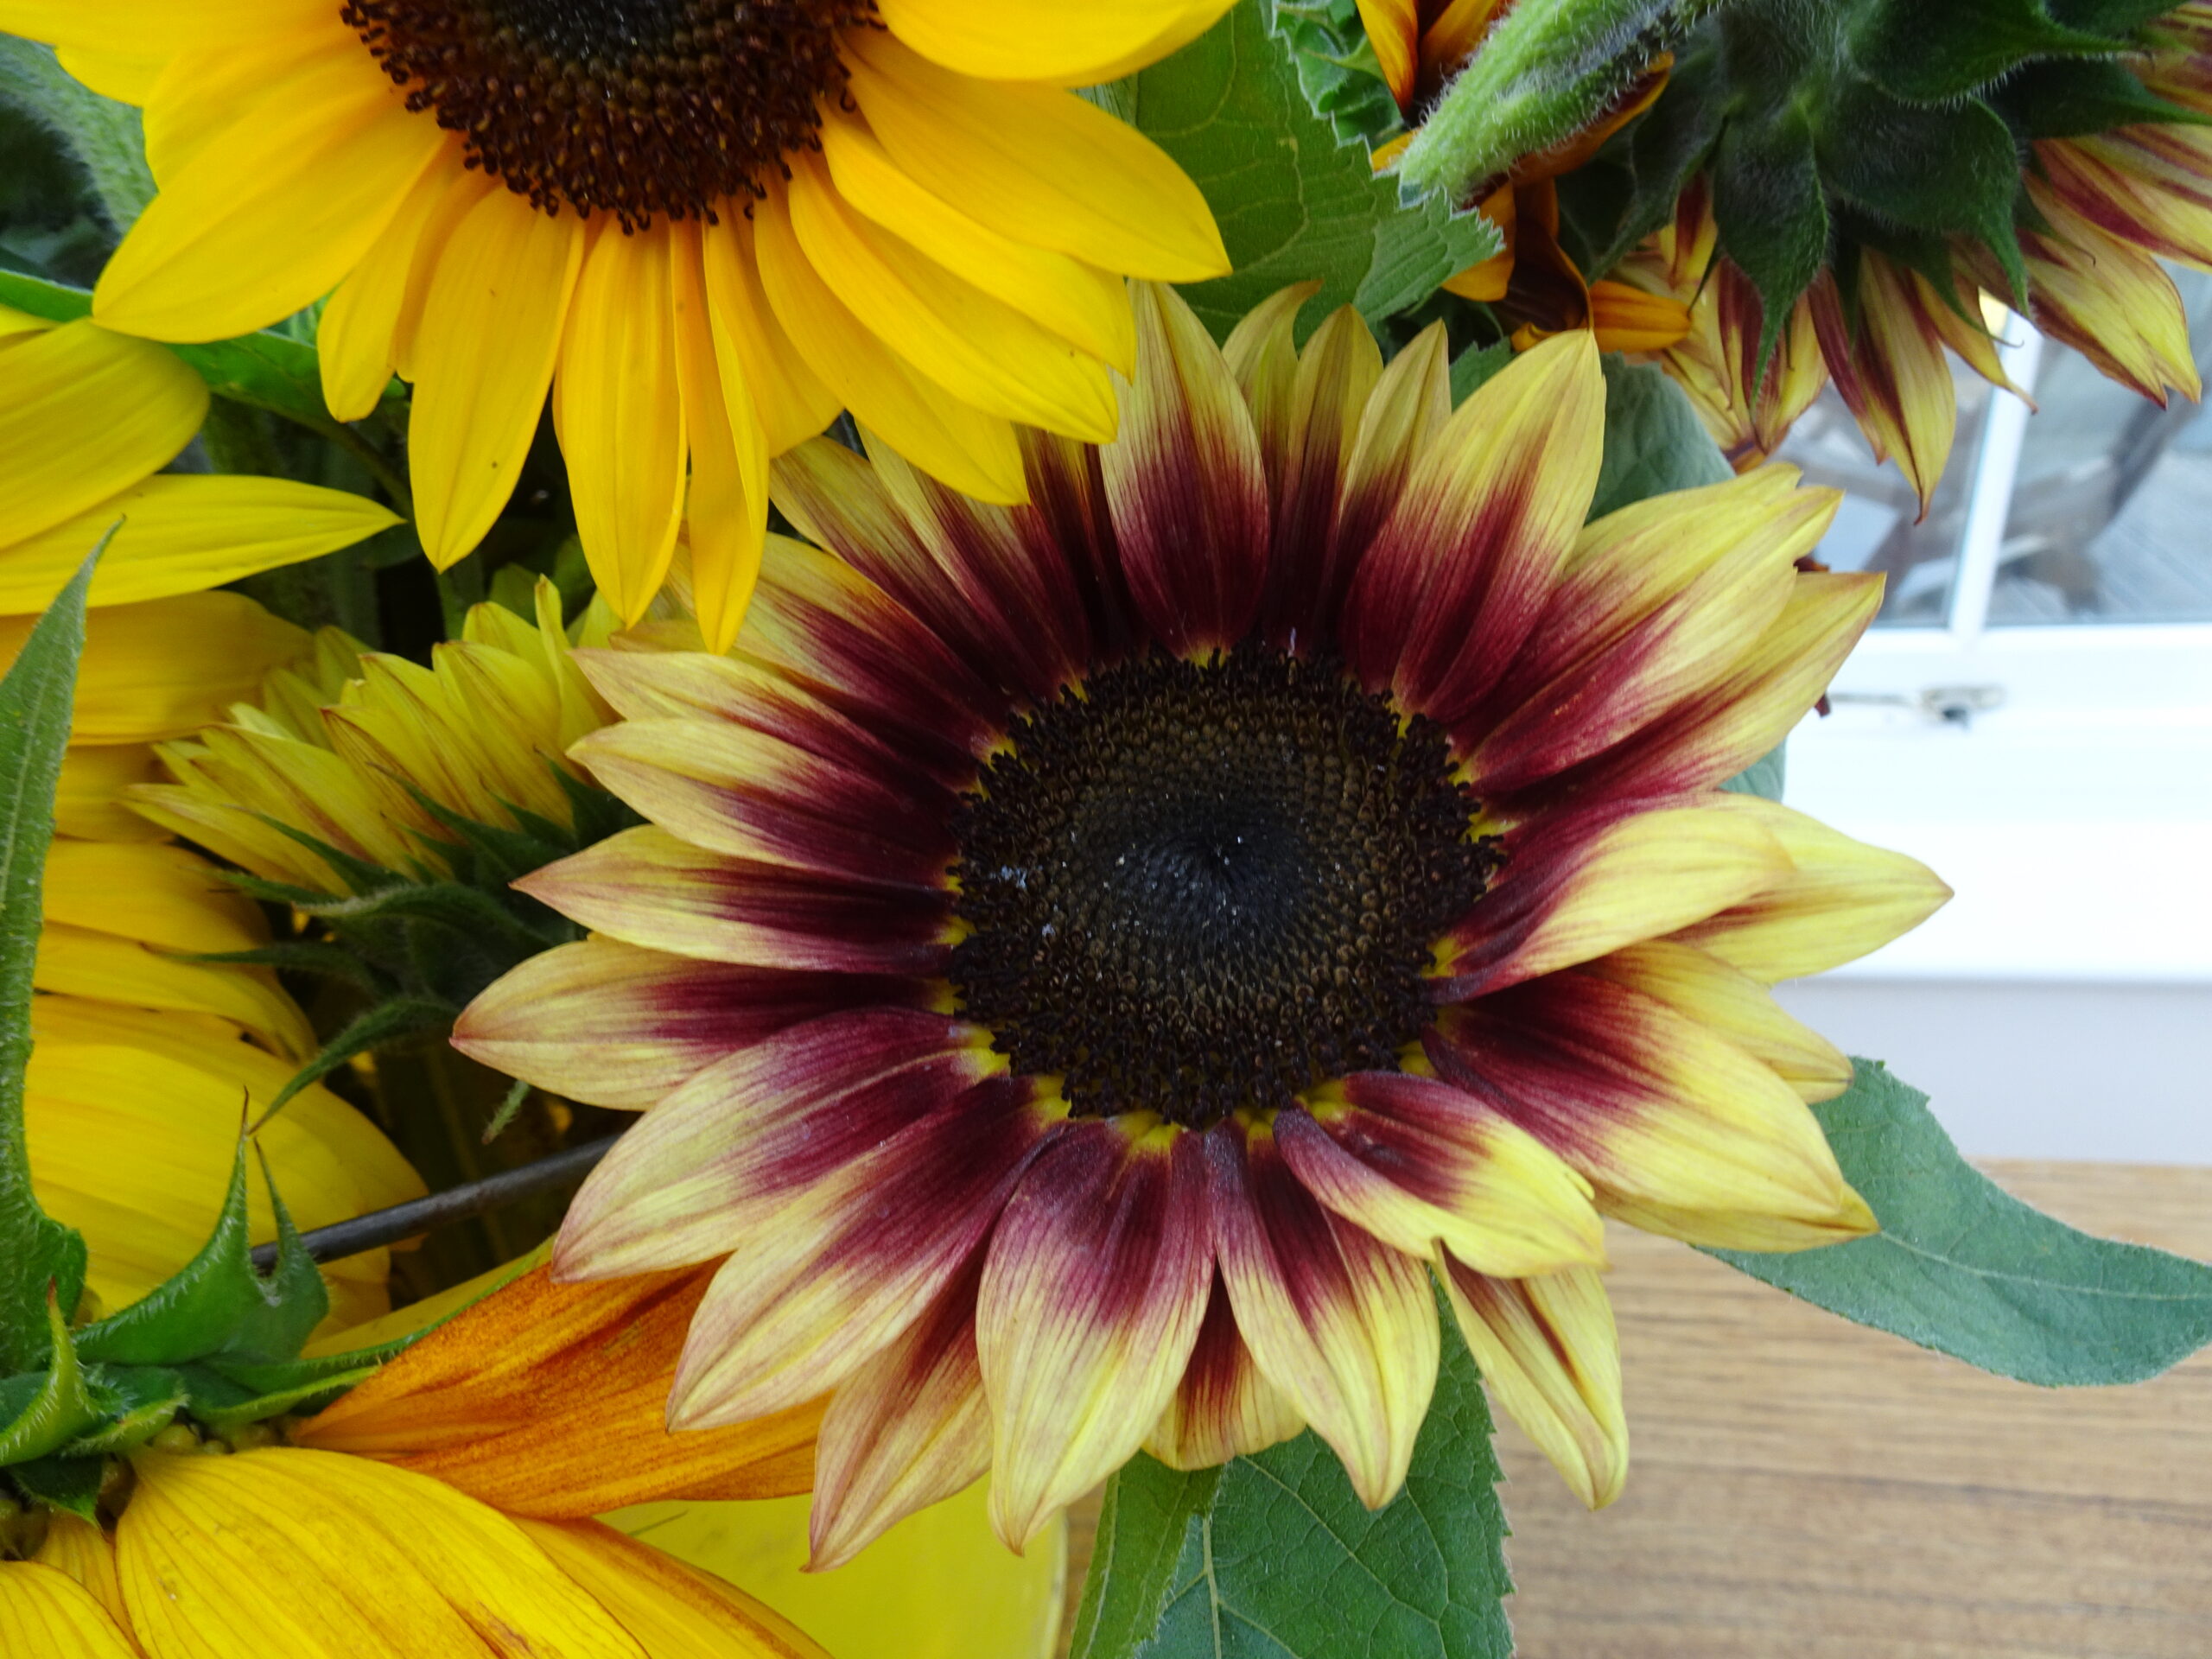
(1802, 1487)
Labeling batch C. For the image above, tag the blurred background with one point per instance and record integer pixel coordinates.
(2031, 714)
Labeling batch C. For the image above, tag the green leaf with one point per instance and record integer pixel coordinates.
(217, 1302)
(1654, 440)
(1477, 364)
(1929, 53)
(71, 1484)
(52, 1406)
(1762, 778)
(1272, 1557)
(1963, 1268)
(106, 138)
(1772, 217)
(265, 370)
(39, 1258)
(1293, 203)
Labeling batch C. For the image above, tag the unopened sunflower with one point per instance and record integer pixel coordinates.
(1101, 956)
(705, 226)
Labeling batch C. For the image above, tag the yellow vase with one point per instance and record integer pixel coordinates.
(937, 1586)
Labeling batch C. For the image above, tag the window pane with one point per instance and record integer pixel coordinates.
(1876, 529)
(2111, 510)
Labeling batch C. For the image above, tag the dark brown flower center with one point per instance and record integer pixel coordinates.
(1195, 888)
(633, 107)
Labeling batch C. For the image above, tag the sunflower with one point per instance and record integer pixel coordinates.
(2102, 210)
(236, 1547)
(704, 225)
(1112, 949)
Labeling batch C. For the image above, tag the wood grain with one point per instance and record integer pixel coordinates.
(1801, 1486)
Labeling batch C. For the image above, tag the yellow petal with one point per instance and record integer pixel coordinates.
(1408, 407)
(981, 350)
(166, 896)
(1730, 1002)
(86, 414)
(272, 211)
(1262, 352)
(86, 1555)
(91, 800)
(126, 76)
(1547, 1349)
(179, 533)
(672, 1611)
(152, 25)
(951, 440)
(317, 1556)
(166, 667)
(1393, 31)
(1039, 40)
(756, 358)
(1036, 164)
(1084, 305)
(490, 333)
(1839, 900)
(356, 339)
(45, 1614)
(81, 963)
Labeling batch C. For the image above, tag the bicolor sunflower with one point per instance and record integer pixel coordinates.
(1101, 958)
(340, 1546)
(705, 226)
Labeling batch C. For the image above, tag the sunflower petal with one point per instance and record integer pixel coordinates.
(1036, 164)
(761, 1128)
(44, 1611)
(1037, 40)
(1839, 900)
(87, 1555)
(1308, 568)
(1453, 583)
(272, 211)
(1343, 1325)
(1548, 1351)
(619, 406)
(1647, 1104)
(1262, 352)
(1091, 1302)
(826, 1277)
(357, 340)
(979, 349)
(645, 887)
(671, 1609)
(615, 1026)
(88, 414)
(907, 1428)
(488, 340)
(1731, 1004)
(1410, 404)
(1185, 484)
(1891, 371)
(726, 507)
(949, 439)
(330, 1557)
(181, 534)
(549, 1400)
(1414, 1161)
(1223, 1408)
(1604, 877)
(751, 350)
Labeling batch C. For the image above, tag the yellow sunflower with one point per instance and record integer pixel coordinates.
(1114, 949)
(244, 1547)
(704, 225)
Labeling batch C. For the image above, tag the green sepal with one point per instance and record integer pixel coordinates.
(1963, 1268)
(44, 1410)
(392, 1021)
(217, 1302)
(1773, 220)
(1874, 153)
(68, 1483)
(1934, 52)
(304, 956)
(225, 1406)
(135, 1403)
(2074, 101)
(2113, 17)
(41, 1262)
(1664, 148)
(270, 1377)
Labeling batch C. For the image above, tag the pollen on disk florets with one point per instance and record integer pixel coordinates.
(633, 107)
(1197, 888)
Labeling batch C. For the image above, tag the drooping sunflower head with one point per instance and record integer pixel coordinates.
(1089, 962)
